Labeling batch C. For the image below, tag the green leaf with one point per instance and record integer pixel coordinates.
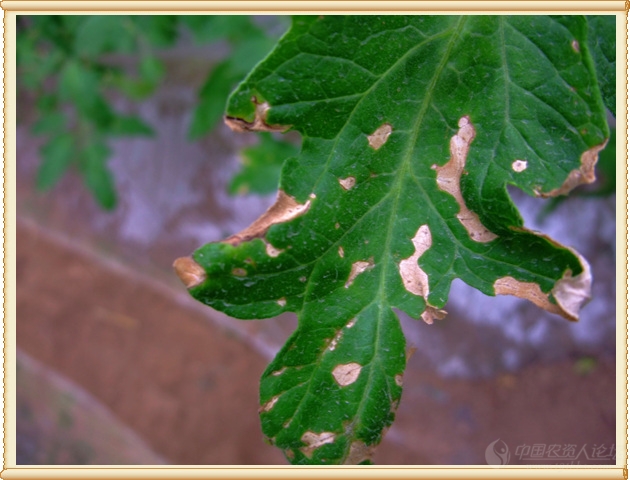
(160, 30)
(99, 34)
(222, 79)
(413, 126)
(128, 126)
(261, 166)
(151, 69)
(606, 170)
(210, 28)
(211, 102)
(36, 62)
(97, 176)
(81, 86)
(602, 42)
(50, 123)
(57, 155)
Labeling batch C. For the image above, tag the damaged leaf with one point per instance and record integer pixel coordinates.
(412, 127)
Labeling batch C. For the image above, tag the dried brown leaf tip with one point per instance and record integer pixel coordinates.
(449, 176)
(570, 293)
(583, 175)
(285, 209)
(380, 136)
(359, 452)
(189, 272)
(258, 125)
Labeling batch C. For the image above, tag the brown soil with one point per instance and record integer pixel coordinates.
(190, 389)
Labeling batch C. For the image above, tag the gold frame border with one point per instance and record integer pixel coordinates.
(11, 8)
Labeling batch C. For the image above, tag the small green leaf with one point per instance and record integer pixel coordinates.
(104, 33)
(128, 126)
(136, 89)
(210, 28)
(57, 155)
(602, 39)
(81, 86)
(160, 30)
(261, 166)
(413, 126)
(211, 104)
(97, 176)
(50, 123)
(151, 69)
(47, 103)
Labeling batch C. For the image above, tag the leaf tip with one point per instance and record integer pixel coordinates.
(189, 272)
(259, 124)
(583, 175)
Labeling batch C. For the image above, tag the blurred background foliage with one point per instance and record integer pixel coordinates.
(67, 63)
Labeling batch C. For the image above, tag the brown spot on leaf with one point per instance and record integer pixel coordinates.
(333, 343)
(448, 180)
(575, 46)
(519, 165)
(380, 135)
(359, 452)
(282, 301)
(357, 269)
(314, 441)
(346, 374)
(189, 272)
(239, 272)
(579, 176)
(285, 208)
(258, 125)
(399, 380)
(289, 453)
(271, 250)
(337, 226)
(269, 405)
(347, 183)
(279, 372)
(415, 279)
(351, 323)
(341, 252)
(302, 279)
